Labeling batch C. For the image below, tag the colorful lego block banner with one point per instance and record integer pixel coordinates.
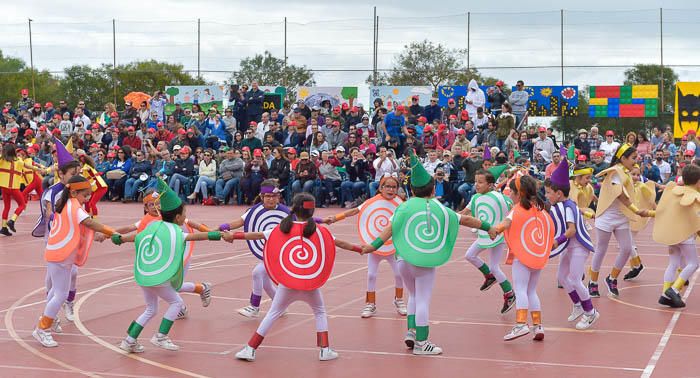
(623, 101)
(687, 108)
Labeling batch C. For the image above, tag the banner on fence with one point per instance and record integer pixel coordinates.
(458, 93)
(400, 95)
(313, 96)
(187, 95)
(623, 101)
(552, 101)
(686, 116)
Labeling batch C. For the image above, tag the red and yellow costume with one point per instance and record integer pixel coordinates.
(11, 177)
(98, 185)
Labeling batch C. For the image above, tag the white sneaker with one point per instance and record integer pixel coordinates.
(128, 347)
(400, 306)
(68, 311)
(44, 337)
(474, 230)
(587, 320)
(426, 348)
(576, 313)
(369, 311)
(56, 326)
(410, 338)
(163, 341)
(327, 354)
(538, 330)
(519, 330)
(249, 311)
(182, 314)
(247, 353)
(205, 295)
(192, 196)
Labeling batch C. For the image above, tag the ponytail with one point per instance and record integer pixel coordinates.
(286, 224)
(310, 227)
(300, 212)
(526, 187)
(65, 195)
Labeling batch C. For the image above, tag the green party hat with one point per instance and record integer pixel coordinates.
(419, 176)
(571, 153)
(516, 154)
(168, 198)
(497, 170)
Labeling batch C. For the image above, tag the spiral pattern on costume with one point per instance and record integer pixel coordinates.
(533, 236)
(152, 250)
(301, 259)
(375, 216)
(557, 212)
(424, 231)
(258, 220)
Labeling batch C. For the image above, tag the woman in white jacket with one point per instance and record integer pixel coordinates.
(475, 98)
(207, 176)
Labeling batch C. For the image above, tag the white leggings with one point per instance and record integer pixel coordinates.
(495, 257)
(261, 280)
(373, 261)
(525, 287)
(285, 297)
(419, 283)
(624, 239)
(571, 266)
(675, 254)
(60, 281)
(73, 279)
(151, 295)
(187, 287)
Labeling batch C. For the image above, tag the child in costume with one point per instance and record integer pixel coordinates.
(677, 224)
(32, 178)
(12, 171)
(299, 256)
(374, 215)
(72, 232)
(159, 267)
(98, 184)
(581, 191)
(573, 243)
(529, 234)
(614, 212)
(424, 234)
(645, 199)
(492, 206)
(152, 213)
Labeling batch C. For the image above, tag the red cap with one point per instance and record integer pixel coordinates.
(114, 115)
(684, 139)
(690, 132)
(292, 123)
(130, 128)
(689, 153)
(48, 105)
(42, 128)
(253, 123)
(442, 127)
(257, 152)
(600, 153)
(542, 129)
(5, 111)
(461, 132)
(291, 150)
(185, 149)
(451, 101)
(29, 132)
(245, 148)
(400, 108)
(354, 109)
(335, 123)
(159, 124)
(190, 130)
(181, 132)
(345, 106)
(88, 132)
(427, 129)
(37, 105)
(95, 126)
(95, 145)
(465, 115)
(14, 130)
(422, 119)
(56, 132)
(609, 133)
(499, 83)
(152, 131)
(336, 109)
(452, 116)
(414, 97)
(57, 116)
(581, 157)
(25, 91)
(111, 155)
(116, 148)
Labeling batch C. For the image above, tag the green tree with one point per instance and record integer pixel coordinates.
(15, 75)
(82, 82)
(172, 92)
(651, 74)
(150, 76)
(269, 70)
(349, 93)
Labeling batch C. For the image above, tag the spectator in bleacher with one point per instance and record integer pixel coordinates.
(644, 146)
(157, 103)
(610, 146)
(505, 122)
(336, 137)
(25, 100)
(254, 173)
(415, 110)
(183, 170)
(474, 99)
(445, 138)
(318, 143)
(461, 141)
(254, 102)
(230, 174)
(496, 98)
(595, 139)
(131, 139)
(518, 100)
(121, 163)
(352, 188)
(207, 176)
(250, 140)
(139, 169)
(543, 142)
(383, 165)
(85, 111)
(229, 121)
(144, 113)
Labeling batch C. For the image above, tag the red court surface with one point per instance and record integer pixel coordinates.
(634, 336)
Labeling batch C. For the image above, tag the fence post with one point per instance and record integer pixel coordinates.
(199, 40)
(114, 59)
(375, 37)
(31, 59)
(661, 37)
(561, 47)
(469, 24)
(284, 77)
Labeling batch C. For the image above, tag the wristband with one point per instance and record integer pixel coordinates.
(317, 220)
(240, 235)
(116, 239)
(561, 239)
(377, 243)
(107, 230)
(340, 217)
(485, 226)
(214, 235)
(588, 213)
(499, 228)
(651, 213)
(357, 248)
(225, 227)
(634, 208)
(203, 228)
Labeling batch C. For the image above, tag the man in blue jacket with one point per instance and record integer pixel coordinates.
(254, 99)
(432, 111)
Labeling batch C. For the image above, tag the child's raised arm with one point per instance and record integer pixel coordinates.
(348, 246)
(338, 217)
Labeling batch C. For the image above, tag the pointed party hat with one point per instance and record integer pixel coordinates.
(560, 176)
(571, 153)
(167, 197)
(516, 154)
(69, 146)
(419, 176)
(64, 157)
(497, 170)
(562, 150)
(487, 153)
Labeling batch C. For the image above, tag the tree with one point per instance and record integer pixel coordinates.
(150, 76)
(92, 85)
(172, 92)
(269, 70)
(651, 74)
(15, 75)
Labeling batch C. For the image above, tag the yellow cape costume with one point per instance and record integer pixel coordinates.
(645, 200)
(609, 191)
(582, 196)
(678, 214)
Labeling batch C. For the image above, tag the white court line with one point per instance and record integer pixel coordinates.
(661, 346)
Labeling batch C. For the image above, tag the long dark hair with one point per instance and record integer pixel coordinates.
(65, 194)
(86, 159)
(626, 154)
(300, 212)
(9, 152)
(527, 192)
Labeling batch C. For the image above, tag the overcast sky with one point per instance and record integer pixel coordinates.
(337, 35)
